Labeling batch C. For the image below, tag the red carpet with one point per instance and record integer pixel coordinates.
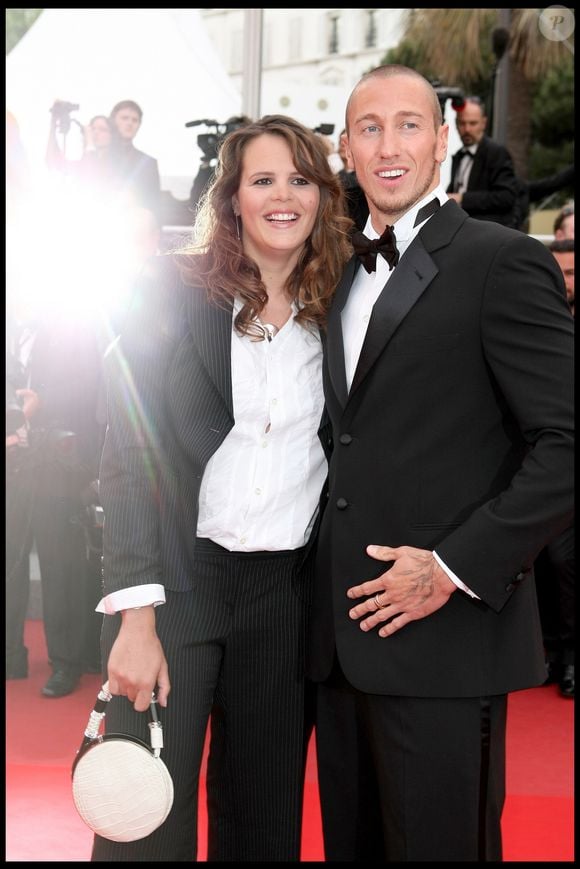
(43, 735)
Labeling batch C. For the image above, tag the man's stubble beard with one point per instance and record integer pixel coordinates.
(396, 209)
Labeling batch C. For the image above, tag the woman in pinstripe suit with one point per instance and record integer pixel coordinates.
(212, 475)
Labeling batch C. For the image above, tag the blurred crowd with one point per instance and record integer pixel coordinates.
(68, 285)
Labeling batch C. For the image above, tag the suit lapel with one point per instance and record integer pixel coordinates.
(474, 182)
(211, 329)
(335, 346)
(409, 281)
(455, 161)
(405, 287)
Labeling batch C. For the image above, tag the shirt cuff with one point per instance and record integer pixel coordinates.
(128, 598)
(455, 579)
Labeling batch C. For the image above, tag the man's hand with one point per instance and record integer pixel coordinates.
(413, 588)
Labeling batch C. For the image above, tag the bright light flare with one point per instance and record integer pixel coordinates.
(81, 263)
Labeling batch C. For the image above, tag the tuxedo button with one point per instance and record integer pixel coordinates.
(510, 586)
(345, 439)
(520, 576)
(342, 503)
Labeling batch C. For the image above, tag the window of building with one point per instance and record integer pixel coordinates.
(333, 33)
(371, 32)
(295, 39)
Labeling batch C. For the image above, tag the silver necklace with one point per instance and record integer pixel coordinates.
(266, 331)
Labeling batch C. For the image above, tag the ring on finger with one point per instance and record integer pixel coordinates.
(380, 605)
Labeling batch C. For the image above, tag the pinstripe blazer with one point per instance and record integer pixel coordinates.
(170, 406)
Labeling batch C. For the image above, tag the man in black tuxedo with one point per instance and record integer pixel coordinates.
(447, 378)
(483, 180)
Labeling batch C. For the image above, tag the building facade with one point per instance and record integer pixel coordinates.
(311, 58)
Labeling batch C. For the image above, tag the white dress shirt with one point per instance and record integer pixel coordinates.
(260, 490)
(464, 170)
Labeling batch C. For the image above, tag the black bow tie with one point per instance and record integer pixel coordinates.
(368, 248)
(465, 152)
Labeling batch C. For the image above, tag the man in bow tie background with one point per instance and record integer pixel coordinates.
(447, 380)
(483, 180)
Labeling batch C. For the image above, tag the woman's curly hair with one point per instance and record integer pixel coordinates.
(215, 259)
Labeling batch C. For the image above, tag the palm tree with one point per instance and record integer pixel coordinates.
(453, 41)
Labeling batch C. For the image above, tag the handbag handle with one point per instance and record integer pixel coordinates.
(100, 709)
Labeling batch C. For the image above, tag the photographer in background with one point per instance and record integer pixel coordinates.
(60, 361)
(94, 171)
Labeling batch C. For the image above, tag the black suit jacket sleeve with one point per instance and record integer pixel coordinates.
(523, 311)
(134, 458)
(551, 184)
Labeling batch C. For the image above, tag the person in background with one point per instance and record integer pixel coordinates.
(564, 223)
(555, 566)
(334, 158)
(20, 407)
(483, 180)
(64, 369)
(93, 172)
(563, 252)
(17, 169)
(542, 189)
(136, 173)
(211, 482)
(448, 382)
(355, 198)
(21, 404)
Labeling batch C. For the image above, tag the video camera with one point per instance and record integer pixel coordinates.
(324, 129)
(60, 107)
(60, 110)
(456, 96)
(209, 143)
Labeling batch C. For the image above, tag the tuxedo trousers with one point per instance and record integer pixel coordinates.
(409, 779)
(235, 649)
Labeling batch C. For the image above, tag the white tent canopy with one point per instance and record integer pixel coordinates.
(162, 59)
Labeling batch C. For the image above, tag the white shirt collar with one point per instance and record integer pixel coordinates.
(404, 228)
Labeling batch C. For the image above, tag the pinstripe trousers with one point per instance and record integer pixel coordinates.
(235, 649)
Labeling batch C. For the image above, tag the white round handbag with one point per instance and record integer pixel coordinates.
(121, 788)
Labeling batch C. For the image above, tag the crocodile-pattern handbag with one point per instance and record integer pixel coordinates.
(121, 788)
